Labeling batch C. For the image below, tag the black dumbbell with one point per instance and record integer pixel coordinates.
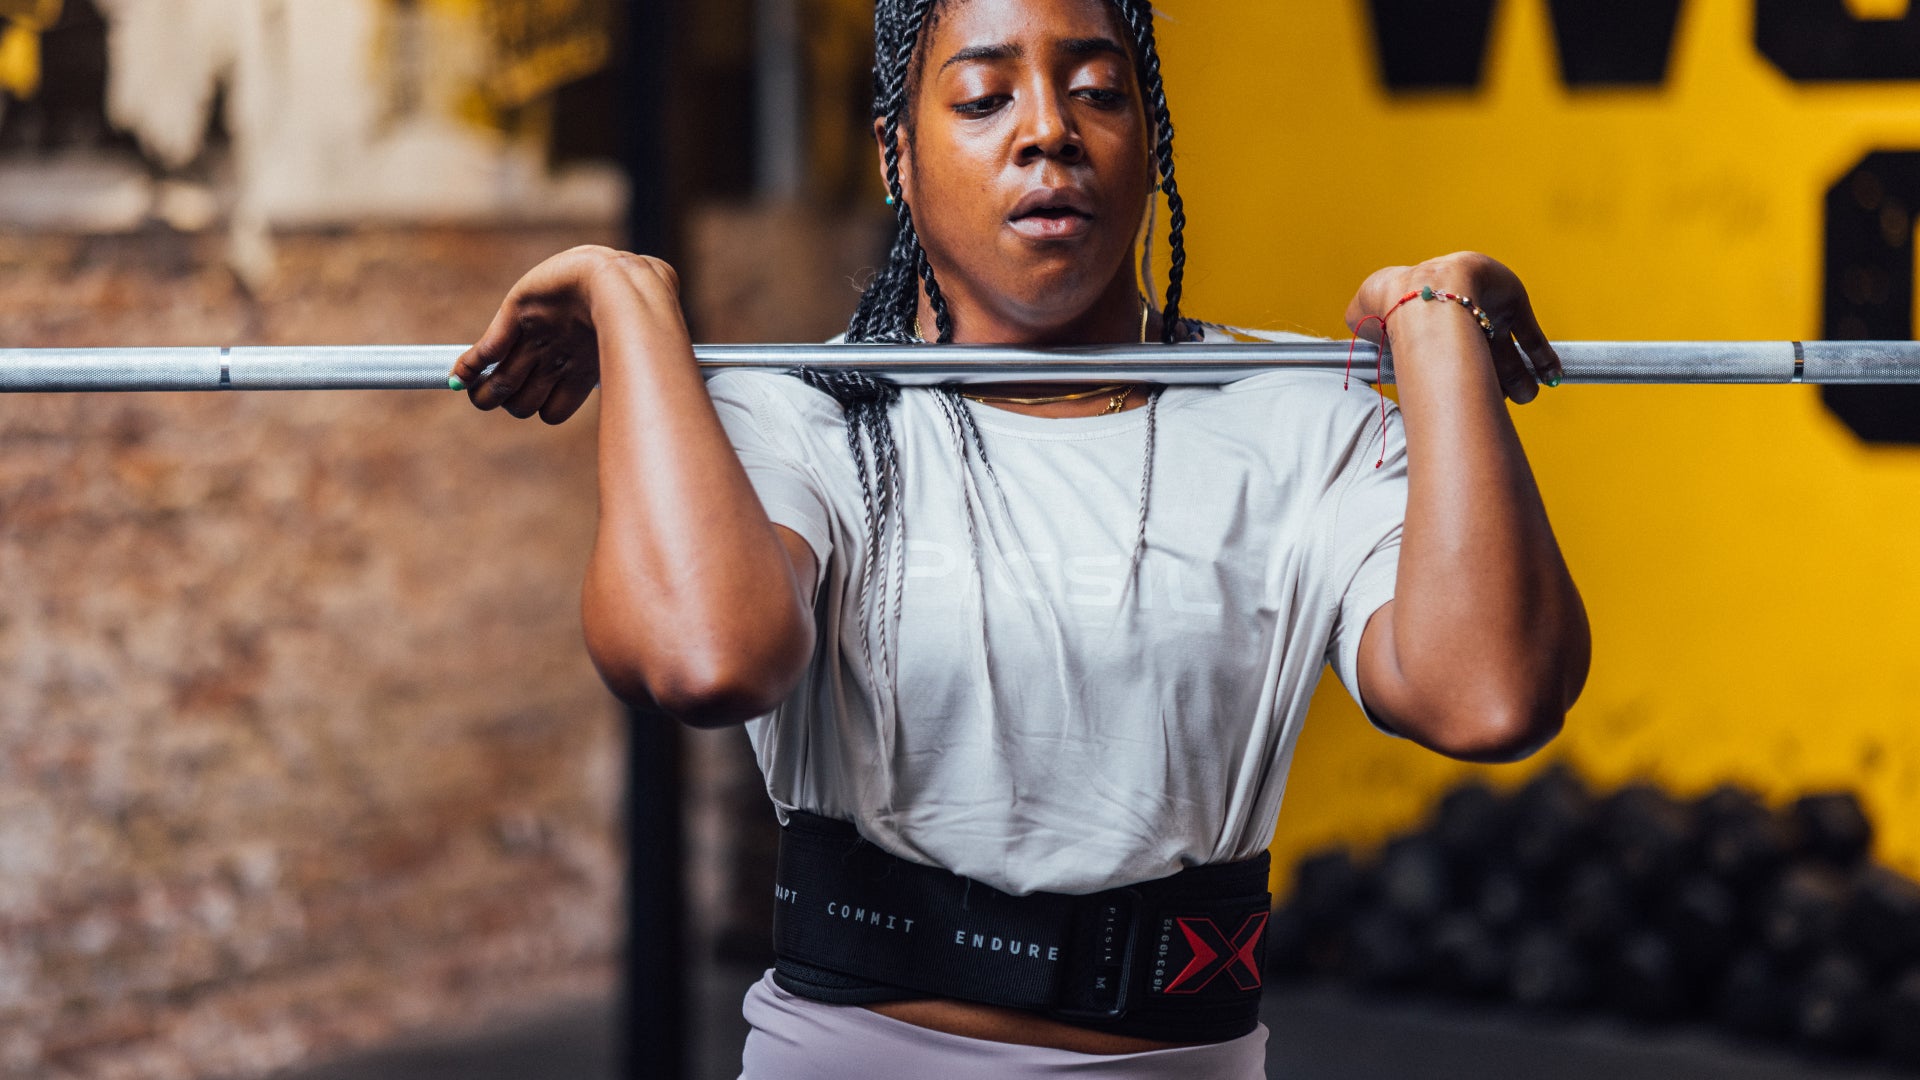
(1503, 899)
(1383, 951)
(1548, 971)
(1552, 821)
(1836, 1010)
(1900, 1021)
(1596, 905)
(1414, 877)
(1700, 919)
(1728, 801)
(1648, 834)
(1288, 942)
(1801, 914)
(1757, 997)
(1326, 886)
(1642, 979)
(1742, 842)
(1466, 959)
(1474, 823)
(1882, 921)
(1832, 827)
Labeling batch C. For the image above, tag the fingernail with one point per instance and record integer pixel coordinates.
(454, 383)
(1555, 381)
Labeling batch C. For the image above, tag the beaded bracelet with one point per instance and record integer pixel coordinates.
(1428, 292)
(1424, 292)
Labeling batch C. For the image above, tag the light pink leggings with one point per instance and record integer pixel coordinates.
(797, 1039)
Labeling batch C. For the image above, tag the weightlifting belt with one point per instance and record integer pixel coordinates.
(1178, 959)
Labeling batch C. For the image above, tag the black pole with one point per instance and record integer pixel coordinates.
(654, 991)
(655, 986)
(647, 94)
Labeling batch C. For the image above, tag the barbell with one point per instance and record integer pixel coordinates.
(425, 367)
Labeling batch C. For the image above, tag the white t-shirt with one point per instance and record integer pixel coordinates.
(1053, 728)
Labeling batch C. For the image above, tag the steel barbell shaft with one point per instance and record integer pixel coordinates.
(425, 367)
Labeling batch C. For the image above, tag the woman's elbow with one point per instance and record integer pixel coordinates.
(717, 702)
(712, 673)
(704, 695)
(1499, 734)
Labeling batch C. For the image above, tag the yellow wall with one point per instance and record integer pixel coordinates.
(1746, 562)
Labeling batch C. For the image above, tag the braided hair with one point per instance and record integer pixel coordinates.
(889, 308)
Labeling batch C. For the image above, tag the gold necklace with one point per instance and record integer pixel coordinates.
(1120, 391)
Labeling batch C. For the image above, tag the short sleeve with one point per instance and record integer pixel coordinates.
(770, 439)
(1370, 510)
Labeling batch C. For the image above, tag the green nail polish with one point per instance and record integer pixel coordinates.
(1555, 381)
(454, 383)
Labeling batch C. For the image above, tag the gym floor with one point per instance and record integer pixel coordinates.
(1320, 1032)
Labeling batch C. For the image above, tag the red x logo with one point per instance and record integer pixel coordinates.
(1214, 952)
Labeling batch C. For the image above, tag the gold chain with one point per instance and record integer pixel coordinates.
(1079, 395)
(1120, 391)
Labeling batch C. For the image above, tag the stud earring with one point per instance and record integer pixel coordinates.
(891, 200)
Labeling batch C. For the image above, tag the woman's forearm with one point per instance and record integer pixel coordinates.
(1488, 634)
(690, 598)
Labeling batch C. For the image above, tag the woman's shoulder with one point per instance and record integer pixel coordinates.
(760, 391)
(780, 389)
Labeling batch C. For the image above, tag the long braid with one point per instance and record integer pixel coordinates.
(942, 318)
(1153, 88)
(870, 438)
(892, 300)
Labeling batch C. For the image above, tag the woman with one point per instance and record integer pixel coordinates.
(1024, 665)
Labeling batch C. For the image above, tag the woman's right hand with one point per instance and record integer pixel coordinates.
(694, 601)
(541, 353)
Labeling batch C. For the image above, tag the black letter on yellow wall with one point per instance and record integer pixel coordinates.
(1614, 43)
(1821, 41)
(1431, 44)
(1869, 285)
(1442, 44)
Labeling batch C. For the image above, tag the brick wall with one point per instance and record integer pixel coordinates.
(299, 746)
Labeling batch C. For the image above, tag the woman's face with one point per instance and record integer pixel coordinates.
(1025, 159)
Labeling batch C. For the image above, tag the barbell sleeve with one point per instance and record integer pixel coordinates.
(426, 367)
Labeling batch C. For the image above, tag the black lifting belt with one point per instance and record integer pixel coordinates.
(1178, 959)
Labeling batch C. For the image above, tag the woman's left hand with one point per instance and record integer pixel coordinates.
(1487, 283)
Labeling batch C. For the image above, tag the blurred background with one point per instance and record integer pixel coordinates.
(303, 770)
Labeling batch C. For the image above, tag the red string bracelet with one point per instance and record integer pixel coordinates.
(1380, 377)
(1424, 292)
